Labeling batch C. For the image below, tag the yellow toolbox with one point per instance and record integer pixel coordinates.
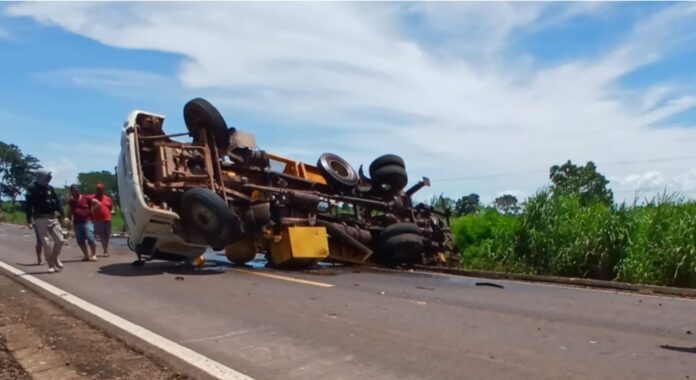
(300, 243)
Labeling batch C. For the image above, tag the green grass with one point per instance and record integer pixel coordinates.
(10, 214)
(556, 235)
(662, 249)
(16, 215)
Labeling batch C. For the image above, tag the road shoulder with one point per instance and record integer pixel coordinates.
(39, 339)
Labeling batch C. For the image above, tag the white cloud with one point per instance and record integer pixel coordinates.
(652, 180)
(457, 107)
(64, 171)
(686, 183)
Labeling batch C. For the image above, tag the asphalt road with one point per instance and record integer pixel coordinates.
(349, 323)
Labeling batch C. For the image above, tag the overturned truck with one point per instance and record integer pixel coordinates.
(221, 191)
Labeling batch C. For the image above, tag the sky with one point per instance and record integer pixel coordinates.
(479, 97)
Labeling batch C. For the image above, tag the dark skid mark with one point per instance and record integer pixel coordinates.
(490, 284)
(688, 350)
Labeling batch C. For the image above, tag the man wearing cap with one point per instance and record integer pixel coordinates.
(79, 210)
(102, 208)
(42, 205)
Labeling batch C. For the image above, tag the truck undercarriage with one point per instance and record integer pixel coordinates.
(230, 195)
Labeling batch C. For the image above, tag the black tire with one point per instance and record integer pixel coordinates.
(386, 160)
(393, 176)
(200, 114)
(401, 249)
(205, 213)
(398, 229)
(337, 171)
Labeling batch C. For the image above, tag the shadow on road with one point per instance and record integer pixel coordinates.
(34, 264)
(153, 269)
(688, 350)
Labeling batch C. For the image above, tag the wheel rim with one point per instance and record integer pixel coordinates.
(205, 219)
(340, 169)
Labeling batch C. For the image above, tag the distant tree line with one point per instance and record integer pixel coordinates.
(568, 178)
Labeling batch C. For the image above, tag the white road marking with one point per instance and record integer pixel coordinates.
(286, 278)
(207, 365)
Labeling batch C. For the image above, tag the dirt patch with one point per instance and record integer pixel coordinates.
(84, 350)
(9, 367)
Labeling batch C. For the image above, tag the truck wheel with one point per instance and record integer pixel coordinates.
(398, 229)
(205, 213)
(392, 178)
(386, 160)
(337, 171)
(241, 252)
(401, 249)
(200, 114)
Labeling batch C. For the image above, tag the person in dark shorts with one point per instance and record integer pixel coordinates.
(79, 210)
(102, 208)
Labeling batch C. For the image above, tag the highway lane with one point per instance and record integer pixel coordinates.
(350, 323)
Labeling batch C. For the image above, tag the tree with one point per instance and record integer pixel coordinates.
(17, 170)
(88, 182)
(585, 181)
(507, 204)
(441, 203)
(467, 204)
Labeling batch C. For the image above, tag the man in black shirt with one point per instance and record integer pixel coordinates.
(42, 204)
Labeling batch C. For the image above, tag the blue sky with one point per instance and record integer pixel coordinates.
(480, 97)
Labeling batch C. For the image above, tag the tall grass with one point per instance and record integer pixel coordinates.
(653, 243)
(559, 236)
(662, 249)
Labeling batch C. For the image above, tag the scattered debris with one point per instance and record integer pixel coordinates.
(179, 278)
(424, 288)
(491, 284)
(688, 332)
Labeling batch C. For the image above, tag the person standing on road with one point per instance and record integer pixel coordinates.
(39, 246)
(102, 208)
(42, 204)
(79, 211)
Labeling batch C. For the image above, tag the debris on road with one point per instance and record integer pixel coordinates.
(491, 284)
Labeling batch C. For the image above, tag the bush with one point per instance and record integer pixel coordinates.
(486, 240)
